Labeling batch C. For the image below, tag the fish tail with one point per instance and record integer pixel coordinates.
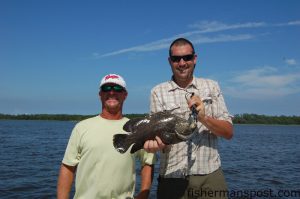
(120, 142)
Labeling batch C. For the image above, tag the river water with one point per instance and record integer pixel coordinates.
(259, 158)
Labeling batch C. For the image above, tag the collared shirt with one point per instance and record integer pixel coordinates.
(198, 155)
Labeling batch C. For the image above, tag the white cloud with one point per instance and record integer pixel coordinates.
(157, 45)
(264, 83)
(215, 26)
(260, 93)
(290, 61)
(292, 23)
(164, 44)
(197, 36)
(221, 38)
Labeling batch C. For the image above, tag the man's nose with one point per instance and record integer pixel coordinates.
(181, 62)
(111, 92)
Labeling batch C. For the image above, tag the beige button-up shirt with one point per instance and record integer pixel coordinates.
(198, 155)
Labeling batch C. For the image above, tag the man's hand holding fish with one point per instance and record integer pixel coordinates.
(151, 146)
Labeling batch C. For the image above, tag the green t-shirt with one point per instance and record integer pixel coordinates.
(102, 172)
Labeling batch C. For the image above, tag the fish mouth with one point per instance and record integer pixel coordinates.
(187, 133)
(184, 137)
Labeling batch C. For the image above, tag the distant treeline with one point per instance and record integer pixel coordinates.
(264, 119)
(60, 117)
(238, 118)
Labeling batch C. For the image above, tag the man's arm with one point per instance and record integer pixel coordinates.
(218, 127)
(65, 180)
(147, 172)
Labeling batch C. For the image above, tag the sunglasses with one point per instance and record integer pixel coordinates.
(108, 88)
(185, 58)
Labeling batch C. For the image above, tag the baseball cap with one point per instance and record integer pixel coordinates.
(114, 79)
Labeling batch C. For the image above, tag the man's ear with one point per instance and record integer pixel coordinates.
(170, 62)
(195, 60)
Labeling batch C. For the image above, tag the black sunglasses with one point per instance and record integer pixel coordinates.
(116, 88)
(185, 58)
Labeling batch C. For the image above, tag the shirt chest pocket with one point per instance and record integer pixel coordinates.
(207, 98)
(208, 106)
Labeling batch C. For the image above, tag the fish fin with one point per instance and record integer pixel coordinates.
(120, 143)
(136, 147)
(131, 124)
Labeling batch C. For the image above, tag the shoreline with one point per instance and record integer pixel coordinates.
(238, 119)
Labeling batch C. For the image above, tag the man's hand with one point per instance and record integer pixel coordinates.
(143, 195)
(220, 128)
(152, 146)
(199, 105)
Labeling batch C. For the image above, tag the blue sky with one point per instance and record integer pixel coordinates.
(54, 53)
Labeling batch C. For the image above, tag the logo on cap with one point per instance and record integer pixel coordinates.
(111, 77)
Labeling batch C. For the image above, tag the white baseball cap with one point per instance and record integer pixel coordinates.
(114, 79)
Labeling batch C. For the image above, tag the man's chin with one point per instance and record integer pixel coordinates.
(183, 72)
(182, 76)
(112, 103)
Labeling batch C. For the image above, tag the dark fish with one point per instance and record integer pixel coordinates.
(169, 127)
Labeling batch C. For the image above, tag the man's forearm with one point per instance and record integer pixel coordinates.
(218, 127)
(147, 172)
(65, 180)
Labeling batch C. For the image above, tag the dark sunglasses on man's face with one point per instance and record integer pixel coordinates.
(185, 58)
(116, 88)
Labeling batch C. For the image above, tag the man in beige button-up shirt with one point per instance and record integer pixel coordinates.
(192, 168)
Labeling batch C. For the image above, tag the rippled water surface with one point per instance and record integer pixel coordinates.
(257, 158)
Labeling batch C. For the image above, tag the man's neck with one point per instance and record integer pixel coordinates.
(183, 83)
(111, 115)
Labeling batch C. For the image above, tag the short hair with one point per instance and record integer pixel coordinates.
(181, 41)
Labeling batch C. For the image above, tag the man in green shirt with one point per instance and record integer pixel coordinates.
(101, 171)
